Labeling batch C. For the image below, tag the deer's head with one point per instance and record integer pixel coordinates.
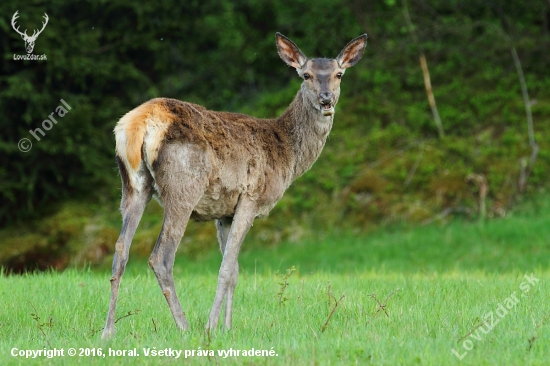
(29, 40)
(321, 76)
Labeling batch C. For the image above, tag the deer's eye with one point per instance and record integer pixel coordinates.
(339, 75)
(307, 76)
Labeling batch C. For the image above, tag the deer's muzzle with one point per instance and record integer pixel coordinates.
(326, 100)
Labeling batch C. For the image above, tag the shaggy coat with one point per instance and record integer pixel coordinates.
(220, 166)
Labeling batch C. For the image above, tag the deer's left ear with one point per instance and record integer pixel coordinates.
(289, 52)
(353, 51)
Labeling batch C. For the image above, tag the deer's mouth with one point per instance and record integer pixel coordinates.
(327, 109)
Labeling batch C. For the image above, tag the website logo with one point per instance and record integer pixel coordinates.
(29, 40)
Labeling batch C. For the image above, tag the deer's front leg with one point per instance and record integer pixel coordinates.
(227, 280)
(223, 227)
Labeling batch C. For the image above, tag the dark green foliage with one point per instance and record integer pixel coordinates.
(104, 58)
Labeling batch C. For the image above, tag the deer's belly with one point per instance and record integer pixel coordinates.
(221, 200)
(214, 206)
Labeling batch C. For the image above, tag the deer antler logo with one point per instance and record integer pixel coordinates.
(29, 41)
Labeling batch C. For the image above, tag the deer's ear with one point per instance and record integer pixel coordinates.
(289, 52)
(353, 51)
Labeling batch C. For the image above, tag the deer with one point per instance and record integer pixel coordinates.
(227, 167)
(29, 41)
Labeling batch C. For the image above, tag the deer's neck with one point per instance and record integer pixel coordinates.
(307, 131)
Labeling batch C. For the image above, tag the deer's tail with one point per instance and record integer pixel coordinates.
(138, 136)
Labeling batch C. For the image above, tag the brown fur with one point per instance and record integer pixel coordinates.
(221, 166)
(257, 148)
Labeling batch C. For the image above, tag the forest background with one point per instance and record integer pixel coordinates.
(389, 159)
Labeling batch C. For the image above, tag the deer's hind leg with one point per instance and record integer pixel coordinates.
(181, 181)
(136, 194)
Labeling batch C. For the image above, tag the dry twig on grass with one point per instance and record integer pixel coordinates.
(382, 305)
(336, 303)
(129, 313)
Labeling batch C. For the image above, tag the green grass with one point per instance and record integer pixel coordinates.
(437, 283)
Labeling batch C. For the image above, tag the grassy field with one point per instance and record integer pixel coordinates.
(435, 295)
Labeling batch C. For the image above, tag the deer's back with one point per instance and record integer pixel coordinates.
(231, 154)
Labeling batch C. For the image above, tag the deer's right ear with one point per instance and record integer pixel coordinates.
(289, 52)
(353, 51)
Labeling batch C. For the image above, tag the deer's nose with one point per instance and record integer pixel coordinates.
(325, 98)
